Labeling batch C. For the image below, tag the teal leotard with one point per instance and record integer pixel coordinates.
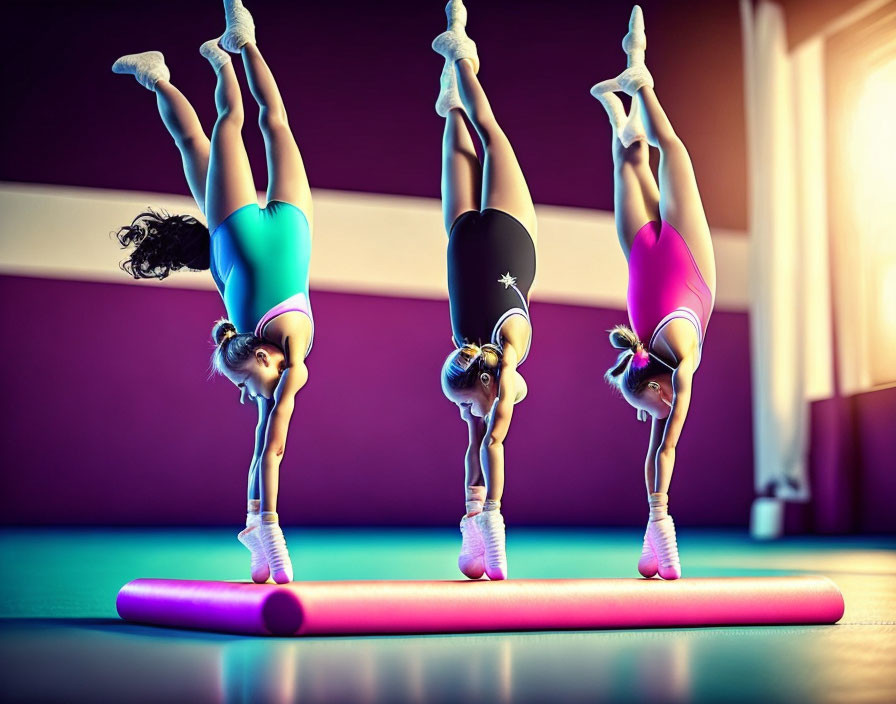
(259, 260)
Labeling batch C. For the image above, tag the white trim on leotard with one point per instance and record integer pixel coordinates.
(496, 331)
(686, 314)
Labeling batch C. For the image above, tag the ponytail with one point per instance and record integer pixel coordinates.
(634, 367)
(164, 243)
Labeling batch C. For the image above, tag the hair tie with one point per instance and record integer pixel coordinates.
(640, 358)
(227, 335)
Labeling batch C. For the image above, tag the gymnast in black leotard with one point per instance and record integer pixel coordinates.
(491, 267)
(490, 222)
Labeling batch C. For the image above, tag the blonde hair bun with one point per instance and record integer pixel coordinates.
(223, 331)
(623, 337)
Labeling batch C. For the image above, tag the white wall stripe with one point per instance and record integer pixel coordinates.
(363, 243)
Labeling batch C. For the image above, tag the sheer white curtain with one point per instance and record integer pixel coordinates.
(790, 278)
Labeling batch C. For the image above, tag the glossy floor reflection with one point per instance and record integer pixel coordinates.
(61, 641)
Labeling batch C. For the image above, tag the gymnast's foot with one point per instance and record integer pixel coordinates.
(148, 68)
(472, 550)
(449, 96)
(629, 128)
(258, 566)
(216, 56)
(635, 42)
(274, 545)
(454, 44)
(661, 535)
(240, 27)
(491, 525)
(647, 565)
(629, 81)
(457, 15)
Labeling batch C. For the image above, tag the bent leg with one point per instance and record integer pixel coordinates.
(461, 170)
(680, 202)
(504, 186)
(230, 185)
(287, 180)
(183, 125)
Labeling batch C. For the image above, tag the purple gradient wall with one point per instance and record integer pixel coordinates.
(113, 419)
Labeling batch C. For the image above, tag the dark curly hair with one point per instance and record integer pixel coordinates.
(634, 366)
(164, 243)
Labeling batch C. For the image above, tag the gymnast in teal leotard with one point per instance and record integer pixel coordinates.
(258, 257)
(259, 261)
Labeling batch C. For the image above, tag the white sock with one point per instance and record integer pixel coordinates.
(492, 505)
(253, 513)
(449, 96)
(216, 56)
(455, 46)
(629, 128)
(240, 26)
(629, 81)
(633, 129)
(659, 506)
(473, 507)
(635, 42)
(147, 67)
(269, 517)
(457, 15)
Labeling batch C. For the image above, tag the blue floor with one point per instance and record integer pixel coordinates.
(61, 640)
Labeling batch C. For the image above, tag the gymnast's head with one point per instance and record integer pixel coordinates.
(163, 243)
(470, 377)
(643, 381)
(253, 365)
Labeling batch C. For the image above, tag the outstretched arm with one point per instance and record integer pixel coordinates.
(681, 401)
(264, 413)
(657, 429)
(472, 464)
(492, 455)
(294, 377)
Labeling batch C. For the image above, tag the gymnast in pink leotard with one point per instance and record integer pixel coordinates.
(672, 278)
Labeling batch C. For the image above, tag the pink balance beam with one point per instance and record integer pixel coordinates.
(340, 608)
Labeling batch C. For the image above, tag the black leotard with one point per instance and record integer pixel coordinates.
(491, 267)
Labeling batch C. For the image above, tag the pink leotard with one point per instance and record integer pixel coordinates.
(664, 283)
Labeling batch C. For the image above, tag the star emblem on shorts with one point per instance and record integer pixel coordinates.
(507, 280)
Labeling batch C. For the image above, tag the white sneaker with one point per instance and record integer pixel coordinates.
(491, 526)
(472, 550)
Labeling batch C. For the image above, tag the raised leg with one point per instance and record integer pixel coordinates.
(461, 170)
(636, 196)
(503, 184)
(680, 203)
(183, 124)
(287, 180)
(229, 185)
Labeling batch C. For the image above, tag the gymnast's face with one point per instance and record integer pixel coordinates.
(480, 398)
(259, 376)
(655, 398)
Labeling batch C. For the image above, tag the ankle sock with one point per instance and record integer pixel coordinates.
(659, 506)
